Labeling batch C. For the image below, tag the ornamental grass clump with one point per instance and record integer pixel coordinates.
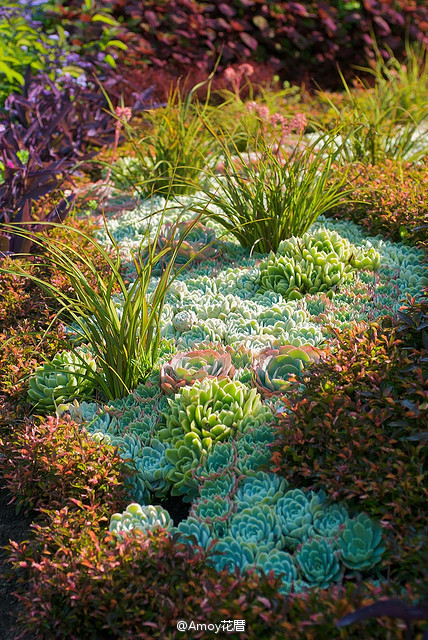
(186, 368)
(124, 340)
(66, 377)
(264, 203)
(273, 368)
(316, 262)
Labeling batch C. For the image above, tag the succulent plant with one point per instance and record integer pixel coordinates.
(296, 511)
(184, 455)
(219, 459)
(258, 525)
(315, 262)
(253, 449)
(273, 367)
(361, 543)
(213, 410)
(143, 518)
(186, 368)
(222, 485)
(216, 512)
(184, 320)
(259, 488)
(328, 521)
(230, 553)
(152, 466)
(192, 531)
(198, 245)
(66, 377)
(282, 564)
(318, 560)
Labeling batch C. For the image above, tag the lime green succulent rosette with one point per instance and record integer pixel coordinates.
(360, 543)
(65, 378)
(141, 518)
(314, 263)
(187, 368)
(273, 368)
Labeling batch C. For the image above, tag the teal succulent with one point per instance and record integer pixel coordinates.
(216, 512)
(328, 521)
(230, 554)
(186, 368)
(282, 564)
(296, 511)
(258, 525)
(222, 485)
(273, 367)
(142, 518)
(315, 262)
(152, 466)
(219, 459)
(259, 488)
(318, 560)
(192, 531)
(185, 455)
(66, 377)
(213, 410)
(361, 543)
(253, 449)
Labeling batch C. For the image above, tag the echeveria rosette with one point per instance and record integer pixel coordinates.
(360, 543)
(138, 517)
(259, 488)
(212, 409)
(282, 564)
(258, 525)
(273, 367)
(254, 450)
(318, 560)
(215, 512)
(185, 455)
(184, 320)
(152, 466)
(187, 368)
(230, 553)
(66, 377)
(296, 511)
(222, 485)
(220, 458)
(328, 521)
(195, 532)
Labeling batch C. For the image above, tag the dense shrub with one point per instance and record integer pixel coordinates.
(358, 431)
(79, 582)
(390, 200)
(300, 36)
(46, 464)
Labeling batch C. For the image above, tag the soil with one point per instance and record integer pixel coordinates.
(13, 526)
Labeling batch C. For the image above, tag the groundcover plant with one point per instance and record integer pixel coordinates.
(232, 430)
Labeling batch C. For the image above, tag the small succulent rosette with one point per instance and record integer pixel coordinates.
(187, 368)
(140, 518)
(273, 368)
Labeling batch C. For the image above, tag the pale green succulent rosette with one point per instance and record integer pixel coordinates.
(187, 368)
(282, 564)
(230, 553)
(328, 521)
(141, 518)
(314, 263)
(273, 367)
(296, 511)
(361, 543)
(184, 320)
(318, 560)
(258, 525)
(259, 488)
(223, 485)
(184, 456)
(66, 377)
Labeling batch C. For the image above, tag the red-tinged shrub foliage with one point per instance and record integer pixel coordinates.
(45, 465)
(359, 431)
(302, 37)
(391, 200)
(76, 581)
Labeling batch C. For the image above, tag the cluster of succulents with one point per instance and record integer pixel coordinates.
(274, 367)
(314, 263)
(65, 378)
(198, 244)
(201, 416)
(185, 369)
